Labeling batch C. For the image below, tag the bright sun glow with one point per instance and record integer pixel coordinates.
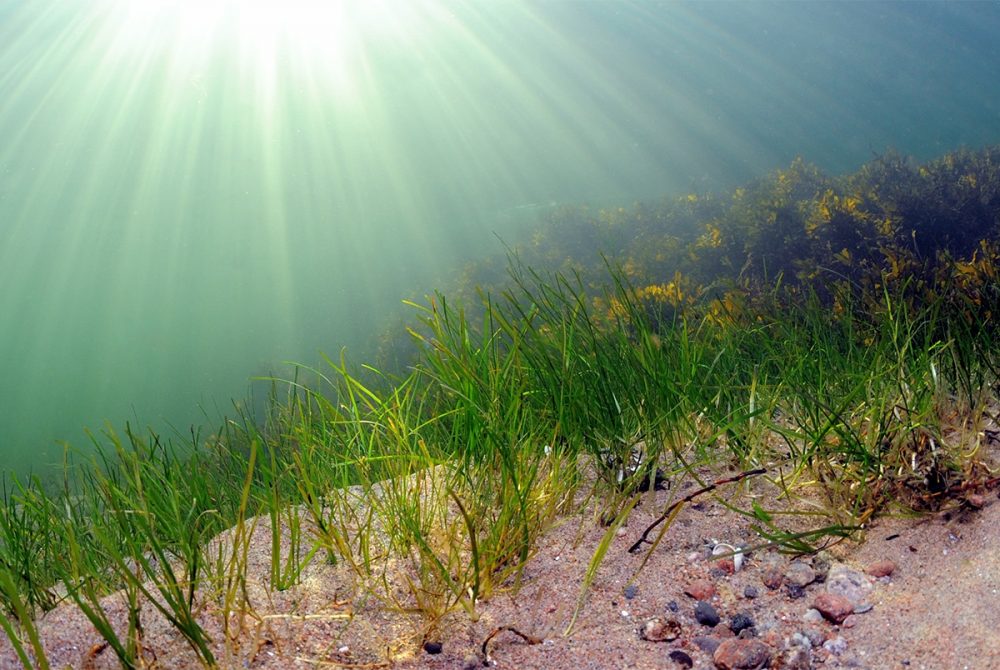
(326, 36)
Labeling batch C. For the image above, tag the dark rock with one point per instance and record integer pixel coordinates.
(750, 592)
(740, 622)
(833, 607)
(700, 589)
(660, 630)
(673, 606)
(706, 615)
(795, 591)
(681, 659)
(631, 591)
(742, 655)
(433, 647)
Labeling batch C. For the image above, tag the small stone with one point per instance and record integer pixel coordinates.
(836, 645)
(821, 565)
(862, 608)
(800, 574)
(673, 606)
(833, 607)
(681, 659)
(725, 565)
(795, 591)
(707, 643)
(796, 658)
(700, 589)
(706, 615)
(772, 578)
(881, 568)
(975, 501)
(742, 655)
(815, 636)
(433, 647)
(750, 592)
(660, 630)
(740, 622)
(847, 582)
(812, 615)
(851, 621)
(631, 591)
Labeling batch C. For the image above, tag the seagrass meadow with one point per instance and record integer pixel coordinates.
(830, 337)
(319, 321)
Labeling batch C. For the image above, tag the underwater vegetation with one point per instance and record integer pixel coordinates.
(831, 336)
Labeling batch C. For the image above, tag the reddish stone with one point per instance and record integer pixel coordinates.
(773, 578)
(700, 589)
(726, 565)
(739, 654)
(975, 500)
(881, 568)
(833, 607)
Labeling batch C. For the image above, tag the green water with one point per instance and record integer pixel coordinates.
(193, 193)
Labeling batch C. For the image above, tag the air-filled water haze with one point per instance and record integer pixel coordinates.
(194, 193)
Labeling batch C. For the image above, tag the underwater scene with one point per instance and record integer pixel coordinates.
(254, 255)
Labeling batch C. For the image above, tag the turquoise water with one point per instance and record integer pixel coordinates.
(194, 193)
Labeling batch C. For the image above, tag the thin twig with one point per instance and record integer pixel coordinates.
(688, 498)
(530, 639)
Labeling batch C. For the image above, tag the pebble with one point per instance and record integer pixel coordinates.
(833, 607)
(631, 591)
(847, 582)
(800, 574)
(975, 500)
(862, 608)
(659, 630)
(707, 643)
(795, 591)
(881, 568)
(673, 606)
(740, 622)
(433, 647)
(815, 636)
(836, 645)
(812, 615)
(851, 621)
(706, 615)
(742, 655)
(681, 659)
(750, 592)
(700, 589)
(772, 578)
(796, 658)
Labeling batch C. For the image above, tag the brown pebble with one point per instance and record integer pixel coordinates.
(881, 568)
(659, 630)
(773, 578)
(726, 565)
(742, 655)
(834, 608)
(975, 500)
(700, 589)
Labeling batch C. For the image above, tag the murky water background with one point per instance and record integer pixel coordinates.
(192, 193)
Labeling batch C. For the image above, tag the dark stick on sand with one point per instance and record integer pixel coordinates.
(688, 498)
